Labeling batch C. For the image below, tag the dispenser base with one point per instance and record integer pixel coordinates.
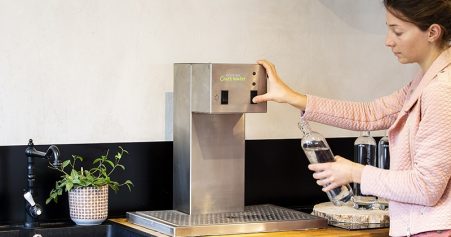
(257, 218)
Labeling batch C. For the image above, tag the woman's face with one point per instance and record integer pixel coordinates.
(406, 40)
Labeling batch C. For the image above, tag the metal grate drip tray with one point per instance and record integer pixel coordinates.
(258, 218)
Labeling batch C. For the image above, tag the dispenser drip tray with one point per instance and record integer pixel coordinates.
(257, 218)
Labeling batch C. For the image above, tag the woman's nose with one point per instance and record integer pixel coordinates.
(388, 41)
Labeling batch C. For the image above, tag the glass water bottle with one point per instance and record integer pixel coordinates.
(383, 154)
(318, 151)
(383, 162)
(365, 154)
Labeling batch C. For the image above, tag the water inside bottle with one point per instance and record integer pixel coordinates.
(364, 154)
(383, 159)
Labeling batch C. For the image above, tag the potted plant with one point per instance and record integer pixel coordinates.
(88, 188)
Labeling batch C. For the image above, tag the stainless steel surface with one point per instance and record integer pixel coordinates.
(182, 138)
(217, 163)
(209, 135)
(258, 218)
(208, 80)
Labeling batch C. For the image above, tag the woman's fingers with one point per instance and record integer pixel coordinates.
(321, 174)
(318, 166)
(330, 186)
(267, 65)
(327, 181)
(260, 98)
(272, 82)
(331, 175)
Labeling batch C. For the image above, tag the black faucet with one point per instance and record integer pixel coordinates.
(33, 210)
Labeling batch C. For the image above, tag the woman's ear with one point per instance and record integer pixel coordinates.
(435, 33)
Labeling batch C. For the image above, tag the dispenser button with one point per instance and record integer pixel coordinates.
(253, 94)
(224, 97)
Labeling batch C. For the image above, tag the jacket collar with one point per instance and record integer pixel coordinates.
(439, 64)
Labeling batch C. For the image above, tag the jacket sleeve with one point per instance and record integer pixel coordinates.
(376, 115)
(426, 182)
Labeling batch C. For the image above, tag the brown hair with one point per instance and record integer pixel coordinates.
(424, 13)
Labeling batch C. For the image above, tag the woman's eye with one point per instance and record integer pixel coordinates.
(398, 33)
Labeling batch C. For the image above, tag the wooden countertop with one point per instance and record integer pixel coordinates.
(329, 231)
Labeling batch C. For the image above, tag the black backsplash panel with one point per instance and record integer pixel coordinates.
(148, 165)
(276, 172)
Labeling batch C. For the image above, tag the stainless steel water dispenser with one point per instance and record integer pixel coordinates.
(210, 101)
(209, 105)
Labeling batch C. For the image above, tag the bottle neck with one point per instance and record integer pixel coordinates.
(365, 134)
(304, 126)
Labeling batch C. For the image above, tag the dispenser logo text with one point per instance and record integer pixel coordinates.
(232, 77)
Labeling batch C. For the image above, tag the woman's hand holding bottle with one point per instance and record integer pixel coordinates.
(335, 174)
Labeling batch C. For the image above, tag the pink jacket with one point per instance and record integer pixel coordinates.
(419, 121)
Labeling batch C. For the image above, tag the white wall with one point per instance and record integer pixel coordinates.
(87, 71)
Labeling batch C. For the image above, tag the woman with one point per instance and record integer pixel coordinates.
(418, 119)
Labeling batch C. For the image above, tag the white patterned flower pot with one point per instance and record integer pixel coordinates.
(89, 205)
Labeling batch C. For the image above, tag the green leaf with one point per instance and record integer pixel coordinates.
(49, 199)
(110, 163)
(87, 173)
(60, 185)
(69, 186)
(76, 181)
(73, 173)
(65, 163)
(129, 185)
(100, 182)
(97, 160)
(75, 158)
(123, 150)
(114, 187)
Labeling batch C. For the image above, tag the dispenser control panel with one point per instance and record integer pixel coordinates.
(228, 88)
